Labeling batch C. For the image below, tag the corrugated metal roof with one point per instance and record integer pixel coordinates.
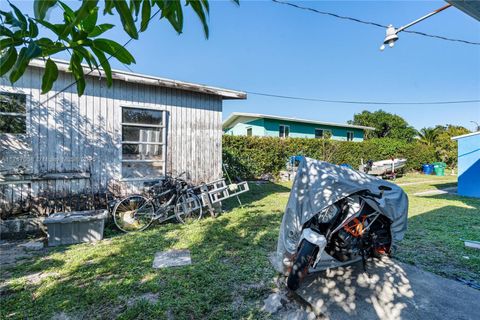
(236, 115)
(470, 7)
(150, 80)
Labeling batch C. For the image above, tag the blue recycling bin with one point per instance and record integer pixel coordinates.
(427, 168)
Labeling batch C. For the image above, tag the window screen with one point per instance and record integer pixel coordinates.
(143, 145)
(13, 114)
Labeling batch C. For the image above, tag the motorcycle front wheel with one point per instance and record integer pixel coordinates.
(303, 261)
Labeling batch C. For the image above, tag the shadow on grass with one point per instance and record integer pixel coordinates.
(441, 186)
(110, 279)
(433, 240)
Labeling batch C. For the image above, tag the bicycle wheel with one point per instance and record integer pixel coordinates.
(188, 208)
(133, 213)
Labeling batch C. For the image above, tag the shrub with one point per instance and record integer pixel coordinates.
(250, 157)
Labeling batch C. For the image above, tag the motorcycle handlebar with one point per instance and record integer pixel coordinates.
(373, 195)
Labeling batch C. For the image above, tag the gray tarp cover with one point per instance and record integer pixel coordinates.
(319, 184)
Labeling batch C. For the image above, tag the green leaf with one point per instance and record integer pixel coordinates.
(109, 4)
(68, 13)
(20, 66)
(198, 8)
(7, 60)
(4, 31)
(105, 65)
(101, 28)
(33, 29)
(45, 42)
(50, 75)
(146, 12)
(90, 22)
(33, 50)
(114, 49)
(77, 71)
(10, 19)
(57, 29)
(6, 42)
(126, 17)
(40, 7)
(20, 16)
(89, 58)
(135, 6)
(174, 14)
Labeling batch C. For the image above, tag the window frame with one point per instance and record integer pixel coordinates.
(352, 133)
(24, 115)
(285, 126)
(319, 129)
(162, 126)
(249, 130)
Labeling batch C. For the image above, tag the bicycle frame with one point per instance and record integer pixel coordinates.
(165, 211)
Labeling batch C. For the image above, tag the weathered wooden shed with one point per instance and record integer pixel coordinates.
(60, 145)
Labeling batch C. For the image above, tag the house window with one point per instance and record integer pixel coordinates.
(349, 135)
(283, 131)
(143, 143)
(249, 132)
(323, 134)
(13, 116)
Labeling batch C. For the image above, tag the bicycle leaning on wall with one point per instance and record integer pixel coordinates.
(163, 201)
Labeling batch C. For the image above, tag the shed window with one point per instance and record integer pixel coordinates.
(283, 131)
(13, 114)
(349, 135)
(143, 143)
(249, 132)
(318, 133)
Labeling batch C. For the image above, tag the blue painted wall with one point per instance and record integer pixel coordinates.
(270, 127)
(240, 129)
(469, 166)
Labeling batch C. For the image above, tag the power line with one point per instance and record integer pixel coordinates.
(375, 24)
(362, 102)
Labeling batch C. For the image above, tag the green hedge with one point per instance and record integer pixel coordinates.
(250, 157)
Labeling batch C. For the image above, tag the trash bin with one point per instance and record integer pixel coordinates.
(439, 168)
(75, 227)
(427, 168)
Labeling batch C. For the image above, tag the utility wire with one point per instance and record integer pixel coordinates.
(362, 102)
(375, 24)
(305, 98)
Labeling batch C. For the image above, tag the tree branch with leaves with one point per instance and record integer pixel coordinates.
(81, 35)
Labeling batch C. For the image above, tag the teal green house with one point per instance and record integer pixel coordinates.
(262, 125)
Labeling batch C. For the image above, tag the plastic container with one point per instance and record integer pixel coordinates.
(439, 168)
(440, 171)
(75, 227)
(427, 168)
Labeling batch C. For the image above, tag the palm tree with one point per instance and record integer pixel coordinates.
(428, 135)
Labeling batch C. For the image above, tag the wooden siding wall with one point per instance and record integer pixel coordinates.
(82, 135)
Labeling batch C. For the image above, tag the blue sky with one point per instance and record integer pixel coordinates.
(266, 47)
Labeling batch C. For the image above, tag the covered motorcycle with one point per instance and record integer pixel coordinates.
(336, 216)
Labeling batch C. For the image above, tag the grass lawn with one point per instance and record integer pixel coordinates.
(230, 274)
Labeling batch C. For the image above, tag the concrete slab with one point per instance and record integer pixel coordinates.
(172, 258)
(433, 192)
(392, 290)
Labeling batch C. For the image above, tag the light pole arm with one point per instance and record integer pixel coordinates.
(423, 18)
